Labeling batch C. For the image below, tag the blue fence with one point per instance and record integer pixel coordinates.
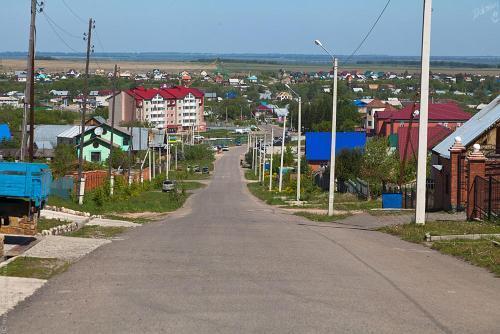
(62, 187)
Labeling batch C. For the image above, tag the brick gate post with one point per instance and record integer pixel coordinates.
(477, 167)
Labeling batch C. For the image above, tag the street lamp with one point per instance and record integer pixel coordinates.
(299, 134)
(331, 193)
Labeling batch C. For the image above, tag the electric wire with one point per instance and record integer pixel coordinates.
(61, 39)
(369, 32)
(73, 12)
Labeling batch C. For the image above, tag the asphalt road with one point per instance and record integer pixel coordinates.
(227, 263)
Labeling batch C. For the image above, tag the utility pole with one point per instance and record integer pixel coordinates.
(280, 186)
(424, 115)
(131, 143)
(81, 181)
(271, 161)
(110, 158)
(29, 94)
(264, 151)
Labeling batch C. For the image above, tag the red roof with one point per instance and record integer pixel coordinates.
(263, 108)
(435, 135)
(176, 92)
(437, 112)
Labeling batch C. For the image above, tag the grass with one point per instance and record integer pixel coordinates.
(147, 201)
(319, 217)
(249, 175)
(482, 253)
(271, 198)
(45, 224)
(416, 233)
(379, 213)
(97, 232)
(34, 267)
(138, 220)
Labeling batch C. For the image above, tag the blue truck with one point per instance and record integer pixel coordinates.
(24, 188)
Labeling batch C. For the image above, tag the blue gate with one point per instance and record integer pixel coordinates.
(62, 187)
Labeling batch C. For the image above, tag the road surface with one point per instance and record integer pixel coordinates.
(227, 263)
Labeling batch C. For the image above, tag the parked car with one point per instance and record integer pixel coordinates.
(225, 148)
(238, 143)
(168, 185)
(195, 169)
(205, 170)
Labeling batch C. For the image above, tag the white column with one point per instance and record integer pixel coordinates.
(331, 192)
(271, 161)
(299, 148)
(280, 186)
(424, 115)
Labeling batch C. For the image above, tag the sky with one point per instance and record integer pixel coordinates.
(459, 27)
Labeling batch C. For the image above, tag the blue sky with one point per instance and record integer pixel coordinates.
(460, 27)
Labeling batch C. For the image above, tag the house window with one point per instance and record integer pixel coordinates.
(95, 156)
(125, 141)
(95, 144)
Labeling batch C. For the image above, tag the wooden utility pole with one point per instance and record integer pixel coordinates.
(81, 181)
(29, 95)
(110, 158)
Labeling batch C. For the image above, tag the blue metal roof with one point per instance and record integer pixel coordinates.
(4, 132)
(472, 129)
(318, 144)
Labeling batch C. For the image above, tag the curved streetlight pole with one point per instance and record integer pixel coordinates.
(331, 192)
(299, 135)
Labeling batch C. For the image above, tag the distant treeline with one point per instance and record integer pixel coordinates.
(228, 60)
(45, 58)
(440, 63)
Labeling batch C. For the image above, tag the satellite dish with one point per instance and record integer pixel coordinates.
(98, 131)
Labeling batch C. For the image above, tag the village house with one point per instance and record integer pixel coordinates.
(465, 160)
(449, 115)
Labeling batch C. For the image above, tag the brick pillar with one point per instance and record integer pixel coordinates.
(477, 167)
(456, 173)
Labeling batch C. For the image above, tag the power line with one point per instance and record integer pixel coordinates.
(59, 27)
(73, 12)
(58, 35)
(369, 31)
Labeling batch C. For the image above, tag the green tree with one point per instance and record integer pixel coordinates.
(379, 164)
(348, 164)
(64, 161)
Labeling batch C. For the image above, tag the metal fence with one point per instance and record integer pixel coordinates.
(62, 187)
(409, 194)
(487, 197)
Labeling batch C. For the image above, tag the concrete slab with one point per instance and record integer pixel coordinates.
(15, 289)
(111, 223)
(48, 214)
(66, 248)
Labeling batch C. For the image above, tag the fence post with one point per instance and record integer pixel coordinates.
(490, 188)
(477, 167)
(456, 173)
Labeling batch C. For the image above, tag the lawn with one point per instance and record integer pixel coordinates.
(97, 232)
(147, 201)
(319, 217)
(271, 198)
(416, 233)
(46, 224)
(34, 267)
(482, 253)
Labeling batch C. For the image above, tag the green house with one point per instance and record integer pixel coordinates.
(96, 140)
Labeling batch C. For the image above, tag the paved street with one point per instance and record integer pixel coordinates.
(227, 263)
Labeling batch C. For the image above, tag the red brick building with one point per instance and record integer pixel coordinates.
(467, 160)
(449, 115)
